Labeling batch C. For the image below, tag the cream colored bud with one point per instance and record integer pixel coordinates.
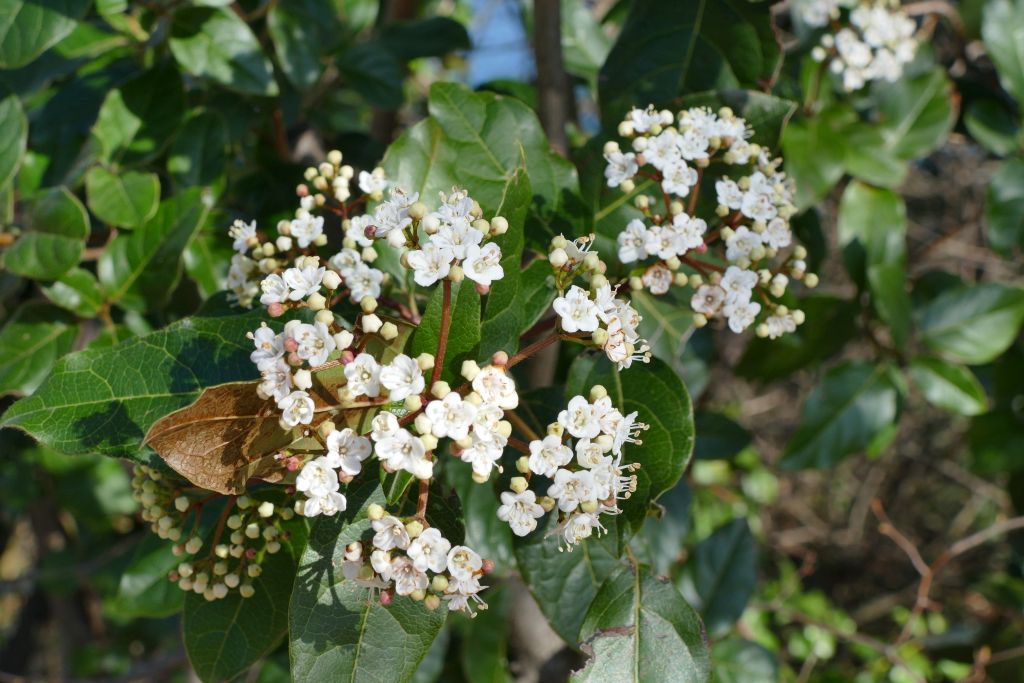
(469, 370)
(523, 465)
(611, 147)
(418, 211)
(626, 129)
(597, 392)
(627, 185)
(414, 528)
(636, 283)
(413, 403)
(558, 257)
(325, 428)
(431, 224)
(559, 242)
(699, 320)
(303, 379)
(343, 340)
(591, 260)
(368, 304)
(423, 424)
(456, 274)
(429, 441)
(519, 484)
(375, 511)
(673, 263)
(482, 225)
(480, 478)
(599, 336)
(440, 389)
(325, 317)
(811, 280)
(371, 324)
(389, 331)
(589, 506)
(798, 317)
(555, 429)
(499, 225)
(246, 590)
(547, 503)
(598, 281)
(266, 509)
(432, 602)
(331, 280)
(396, 238)
(316, 301)
(181, 503)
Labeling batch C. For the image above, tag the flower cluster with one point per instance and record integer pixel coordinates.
(254, 531)
(407, 559)
(456, 238)
(876, 45)
(588, 477)
(751, 228)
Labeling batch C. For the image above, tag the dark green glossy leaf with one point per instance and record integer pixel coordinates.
(640, 630)
(78, 292)
(718, 437)
(853, 404)
(144, 590)
(870, 158)
(463, 330)
(375, 73)
(105, 400)
(53, 241)
(720, 575)
(31, 341)
(138, 118)
(139, 270)
(29, 27)
(339, 630)
(949, 386)
(15, 127)
(1004, 207)
(671, 49)
(1002, 24)
(215, 43)
(127, 199)
(992, 124)
(916, 113)
(430, 37)
(815, 152)
(198, 154)
(302, 31)
(973, 325)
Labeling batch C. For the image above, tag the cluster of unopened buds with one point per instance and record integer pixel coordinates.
(588, 477)
(253, 530)
(875, 44)
(750, 232)
(407, 558)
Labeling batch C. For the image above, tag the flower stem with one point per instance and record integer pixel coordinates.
(442, 342)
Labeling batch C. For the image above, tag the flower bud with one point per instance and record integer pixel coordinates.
(429, 442)
(519, 484)
(331, 280)
(316, 301)
(422, 423)
(231, 580)
(371, 324)
(431, 224)
(181, 503)
(414, 528)
(396, 239)
(432, 602)
(193, 545)
(523, 465)
(375, 511)
(413, 403)
(254, 570)
(499, 225)
(266, 509)
(388, 331)
(599, 336)
(456, 274)
(440, 389)
(303, 379)
(343, 340)
(418, 211)
(547, 503)
(558, 257)
(369, 254)
(418, 595)
(246, 590)
(555, 429)
(636, 283)
(480, 478)
(811, 280)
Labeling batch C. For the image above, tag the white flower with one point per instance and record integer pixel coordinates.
(572, 489)
(463, 563)
(317, 478)
(664, 242)
(329, 504)
(579, 419)
(402, 378)
(626, 431)
(589, 453)
(580, 527)
(741, 314)
(269, 347)
(663, 151)
(621, 167)
(393, 214)
(451, 416)
(741, 243)
(483, 264)
(461, 591)
(390, 533)
(356, 230)
(759, 206)
(604, 299)
(345, 261)
(363, 376)
(315, 343)
(296, 408)
(407, 577)
(547, 455)
(631, 241)
(738, 284)
(657, 278)
(383, 425)
(679, 178)
(777, 234)
(303, 281)
(708, 299)
(458, 236)
(577, 311)
(277, 380)
(779, 325)
(373, 183)
(643, 119)
(729, 193)
(275, 291)
(496, 386)
(691, 232)
(347, 450)
(243, 234)
(520, 510)
(429, 550)
(363, 281)
(693, 145)
(306, 228)
(380, 561)
(403, 451)
(430, 264)
(483, 453)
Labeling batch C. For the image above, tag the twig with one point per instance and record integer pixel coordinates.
(552, 81)
(442, 342)
(520, 424)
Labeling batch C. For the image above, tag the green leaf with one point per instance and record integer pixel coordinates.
(666, 324)
(225, 637)
(660, 398)
(503, 315)
(138, 118)
(993, 125)
(536, 291)
(463, 330)
(888, 284)
(565, 583)
(485, 533)
(78, 292)
(973, 325)
(336, 628)
(215, 43)
(640, 629)
(105, 400)
(814, 148)
(126, 199)
(718, 437)
(198, 154)
(144, 590)
(54, 238)
(485, 640)
(430, 37)
(719, 577)
(1004, 208)
(671, 49)
(870, 158)
(140, 270)
(302, 32)
(949, 386)
(34, 337)
(15, 126)
(375, 73)
(854, 404)
(660, 541)
(584, 41)
(29, 27)
(830, 323)
(916, 113)
(476, 140)
(1001, 28)
(741, 661)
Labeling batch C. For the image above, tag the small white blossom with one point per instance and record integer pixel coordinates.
(520, 510)
(483, 264)
(463, 563)
(402, 378)
(390, 533)
(577, 311)
(579, 419)
(303, 281)
(547, 455)
(296, 408)
(306, 228)
(429, 551)
(363, 376)
(430, 264)
(347, 450)
(496, 386)
(451, 416)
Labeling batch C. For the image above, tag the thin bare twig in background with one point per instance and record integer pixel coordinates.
(553, 88)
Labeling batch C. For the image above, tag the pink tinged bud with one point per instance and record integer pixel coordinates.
(702, 248)
(347, 357)
(173, 576)
(500, 359)
(487, 566)
(291, 345)
(275, 310)
(345, 478)
(302, 190)
(294, 360)
(385, 598)
(292, 464)
(482, 289)
(250, 553)
(369, 231)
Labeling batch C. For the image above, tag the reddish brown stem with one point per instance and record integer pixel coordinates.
(692, 206)
(442, 343)
(220, 522)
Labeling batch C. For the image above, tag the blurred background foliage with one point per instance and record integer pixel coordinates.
(134, 132)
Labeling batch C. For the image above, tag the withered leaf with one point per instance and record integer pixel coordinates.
(226, 437)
